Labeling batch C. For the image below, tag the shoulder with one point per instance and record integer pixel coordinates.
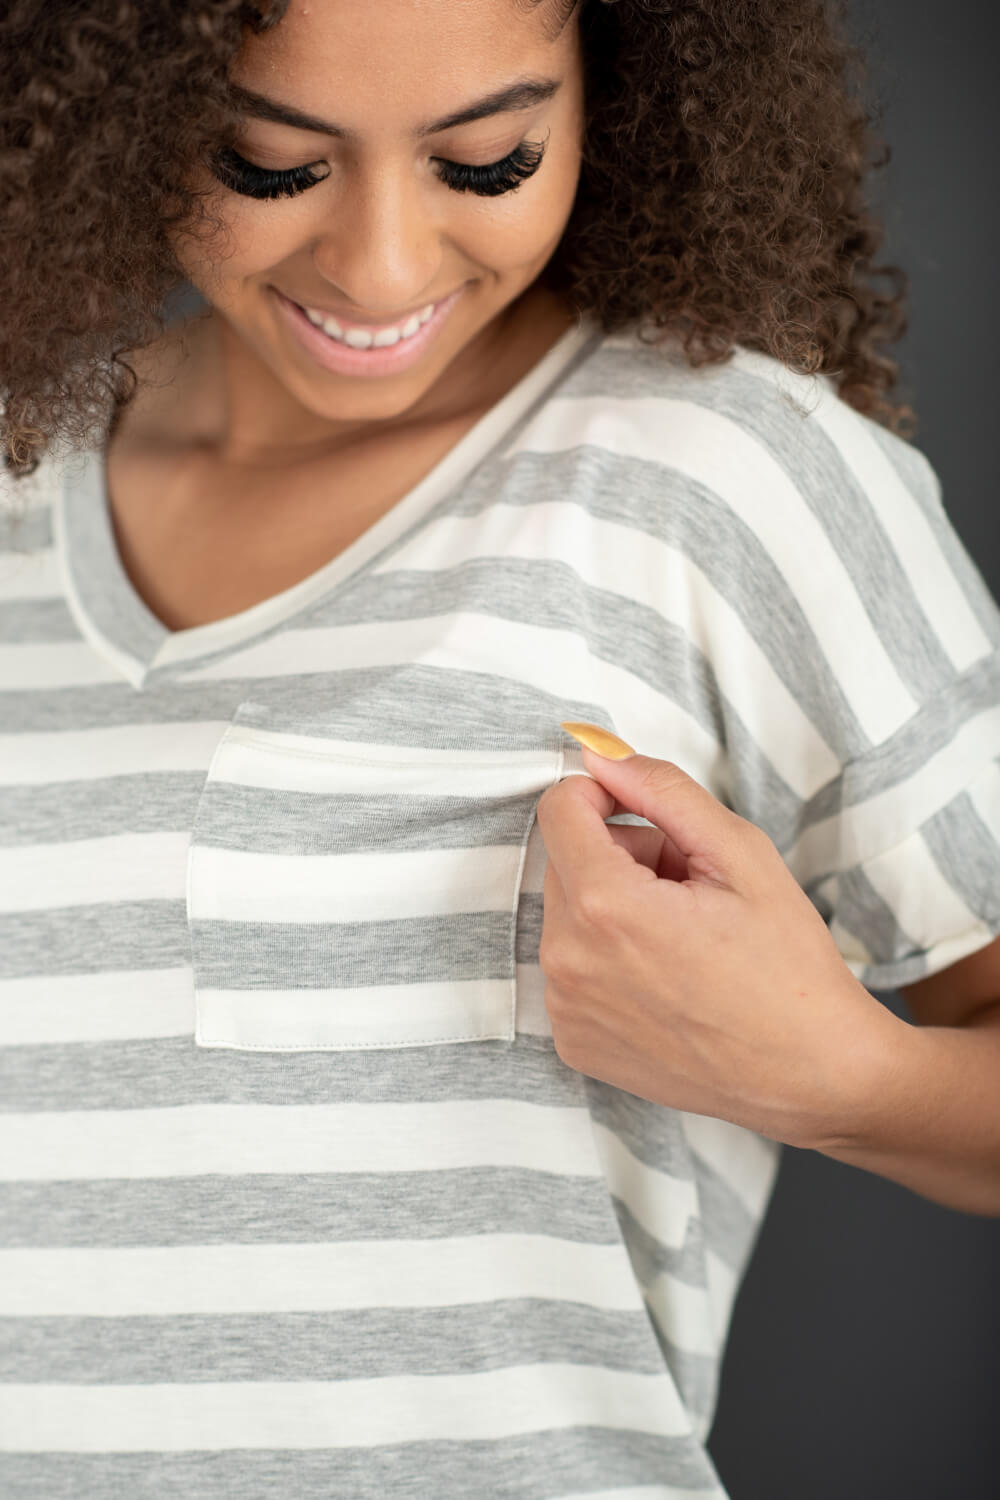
(745, 430)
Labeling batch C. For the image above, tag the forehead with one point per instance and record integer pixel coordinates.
(403, 60)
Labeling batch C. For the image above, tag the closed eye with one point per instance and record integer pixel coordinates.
(242, 176)
(490, 181)
(496, 177)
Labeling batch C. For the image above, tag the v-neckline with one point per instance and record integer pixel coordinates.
(122, 628)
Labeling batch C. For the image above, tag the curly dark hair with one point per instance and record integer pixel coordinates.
(721, 196)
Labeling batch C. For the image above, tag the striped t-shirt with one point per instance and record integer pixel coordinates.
(296, 1197)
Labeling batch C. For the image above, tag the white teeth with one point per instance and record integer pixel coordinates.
(361, 338)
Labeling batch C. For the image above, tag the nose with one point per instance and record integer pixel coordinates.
(382, 249)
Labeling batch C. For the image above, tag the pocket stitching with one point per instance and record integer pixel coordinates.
(261, 740)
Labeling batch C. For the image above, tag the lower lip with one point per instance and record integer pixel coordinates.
(341, 359)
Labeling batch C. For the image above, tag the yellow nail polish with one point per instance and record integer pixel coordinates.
(600, 740)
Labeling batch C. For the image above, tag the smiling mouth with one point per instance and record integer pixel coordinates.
(361, 336)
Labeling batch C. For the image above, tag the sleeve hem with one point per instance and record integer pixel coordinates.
(921, 965)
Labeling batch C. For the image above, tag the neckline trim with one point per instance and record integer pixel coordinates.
(129, 636)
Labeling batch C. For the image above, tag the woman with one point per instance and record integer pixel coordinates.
(299, 1196)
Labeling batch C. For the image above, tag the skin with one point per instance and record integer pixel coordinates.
(231, 403)
(653, 1000)
(684, 964)
(383, 233)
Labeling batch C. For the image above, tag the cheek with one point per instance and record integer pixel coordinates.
(524, 228)
(245, 239)
(242, 238)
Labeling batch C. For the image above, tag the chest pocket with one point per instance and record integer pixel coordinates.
(349, 895)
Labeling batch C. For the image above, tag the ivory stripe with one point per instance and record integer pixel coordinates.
(481, 1407)
(36, 759)
(640, 567)
(356, 1138)
(219, 1279)
(713, 451)
(128, 1005)
(904, 521)
(241, 886)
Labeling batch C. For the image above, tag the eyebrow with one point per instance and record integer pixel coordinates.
(525, 93)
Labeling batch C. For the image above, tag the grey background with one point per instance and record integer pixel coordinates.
(864, 1357)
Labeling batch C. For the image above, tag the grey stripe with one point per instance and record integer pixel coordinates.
(826, 485)
(917, 474)
(369, 1343)
(32, 621)
(311, 1208)
(118, 611)
(23, 535)
(655, 1135)
(573, 1463)
(348, 702)
(363, 1343)
(851, 521)
(640, 371)
(863, 912)
(267, 821)
(147, 802)
(174, 1072)
(453, 709)
(156, 935)
(110, 705)
(669, 507)
(652, 1132)
(92, 555)
(158, 1075)
(549, 596)
(421, 704)
(728, 1225)
(92, 939)
(650, 1257)
(891, 975)
(757, 792)
(965, 851)
(659, 653)
(696, 1376)
(909, 749)
(157, 801)
(530, 915)
(111, 805)
(326, 955)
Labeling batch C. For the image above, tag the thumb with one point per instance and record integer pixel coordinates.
(705, 832)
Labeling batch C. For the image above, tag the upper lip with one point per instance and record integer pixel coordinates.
(353, 321)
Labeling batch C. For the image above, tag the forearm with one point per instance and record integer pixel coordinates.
(932, 1118)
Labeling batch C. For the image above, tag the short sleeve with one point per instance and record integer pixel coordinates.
(868, 746)
(906, 871)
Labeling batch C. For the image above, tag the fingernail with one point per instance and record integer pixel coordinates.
(601, 741)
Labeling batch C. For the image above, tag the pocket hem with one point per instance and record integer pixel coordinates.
(442, 1011)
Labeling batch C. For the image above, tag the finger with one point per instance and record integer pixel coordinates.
(553, 895)
(577, 840)
(553, 902)
(702, 828)
(653, 848)
(644, 844)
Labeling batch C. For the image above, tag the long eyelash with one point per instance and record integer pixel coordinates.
(242, 176)
(490, 181)
(496, 177)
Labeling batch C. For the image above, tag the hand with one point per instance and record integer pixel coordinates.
(685, 964)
